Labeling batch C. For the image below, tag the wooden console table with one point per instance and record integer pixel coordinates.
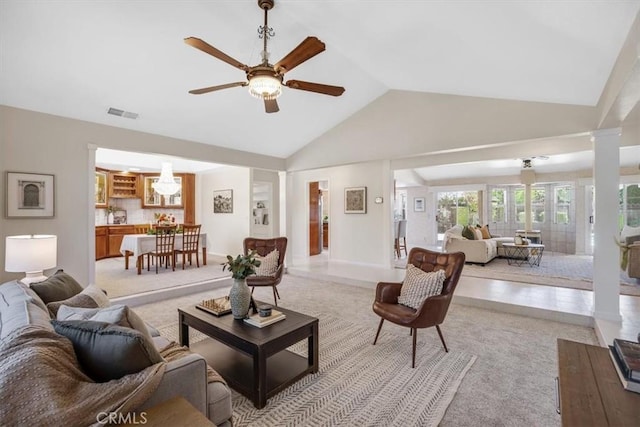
(589, 389)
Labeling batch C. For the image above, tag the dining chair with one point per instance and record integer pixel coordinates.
(141, 228)
(400, 233)
(163, 253)
(433, 309)
(190, 244)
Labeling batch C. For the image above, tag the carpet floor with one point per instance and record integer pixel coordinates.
(112, 276)
(511, 382)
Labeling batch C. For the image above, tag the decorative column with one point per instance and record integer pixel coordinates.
(606, 254)
(527, 208)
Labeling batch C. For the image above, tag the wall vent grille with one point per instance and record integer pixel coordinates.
(122, 113)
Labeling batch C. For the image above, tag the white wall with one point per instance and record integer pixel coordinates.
(225, 231)
(419, 229)
(259, 175)
(42, 143)
(358, 238)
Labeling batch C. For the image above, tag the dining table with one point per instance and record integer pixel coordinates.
(140, 244)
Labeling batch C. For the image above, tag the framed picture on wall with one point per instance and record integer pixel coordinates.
(355, 200)
(418, 204)
(30, 195)
(223, 201)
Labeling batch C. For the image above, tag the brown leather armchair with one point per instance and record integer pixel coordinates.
(434, 309)
(264, 247)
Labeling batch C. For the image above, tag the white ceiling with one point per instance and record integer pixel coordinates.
(77, 58)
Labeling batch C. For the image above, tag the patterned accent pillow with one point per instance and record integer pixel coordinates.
(468, 233)
(268, 264)
(90, 297)
(419, 285)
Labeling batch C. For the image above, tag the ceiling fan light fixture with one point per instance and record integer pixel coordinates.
(166, 185)
(265, 87)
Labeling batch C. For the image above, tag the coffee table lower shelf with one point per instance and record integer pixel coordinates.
(283, 368)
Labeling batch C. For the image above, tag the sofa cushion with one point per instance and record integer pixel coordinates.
(107, 352)
(118, 314)
(419, 285)
(268, 264)
(467, 232)
(485, 231)
(478, 233)
(90, 297)
(57, 287)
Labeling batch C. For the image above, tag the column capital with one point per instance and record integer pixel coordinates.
(605, 133)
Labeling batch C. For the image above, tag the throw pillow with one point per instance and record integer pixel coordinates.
(90, 297)
(485, 232)
(108, 352)
(268, 264)
(468, 233)
(419, 285)
(118, 314)
(57, 287)
(478, 233)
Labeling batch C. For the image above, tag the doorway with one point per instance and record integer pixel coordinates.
(318, 217)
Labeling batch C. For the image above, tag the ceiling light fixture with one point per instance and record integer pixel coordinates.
(166, 185)
(526, 164)
(265, 84)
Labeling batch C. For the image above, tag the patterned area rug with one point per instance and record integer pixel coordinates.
(361, 384)
(569, 271)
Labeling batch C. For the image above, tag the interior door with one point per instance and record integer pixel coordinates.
(315, 244)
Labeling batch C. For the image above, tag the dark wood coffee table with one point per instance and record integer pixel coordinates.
(254, 361)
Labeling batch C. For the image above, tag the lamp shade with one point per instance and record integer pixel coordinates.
(30, 253)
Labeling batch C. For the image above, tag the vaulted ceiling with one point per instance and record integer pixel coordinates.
(79, 58)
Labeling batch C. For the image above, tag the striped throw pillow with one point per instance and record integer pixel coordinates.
(419, 285)
(268, 264)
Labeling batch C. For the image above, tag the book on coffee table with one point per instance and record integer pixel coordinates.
(627, 383)
(261, 322)
(629, 355)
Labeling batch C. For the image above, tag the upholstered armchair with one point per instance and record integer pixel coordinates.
(264, 247)
(433, 310)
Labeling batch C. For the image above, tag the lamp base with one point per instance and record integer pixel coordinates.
(33, 277)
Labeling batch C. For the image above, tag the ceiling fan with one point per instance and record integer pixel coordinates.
(265, 80)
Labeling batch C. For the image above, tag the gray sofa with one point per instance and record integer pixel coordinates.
(22, 312)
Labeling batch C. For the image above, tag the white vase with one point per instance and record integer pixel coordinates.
(110, 218)
(239, 298)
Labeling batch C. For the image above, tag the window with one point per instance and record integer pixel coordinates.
(562, 202)
(498, 204)
(537, 204)
(630, 205)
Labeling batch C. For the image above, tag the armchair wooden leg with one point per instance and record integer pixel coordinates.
(276, 292)
(378, 333)
(442, 339)
(275, 300)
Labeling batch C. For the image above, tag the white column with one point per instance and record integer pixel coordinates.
(527, 208)
(606, 254)
(91, 210)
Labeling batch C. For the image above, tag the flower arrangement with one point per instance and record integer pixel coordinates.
(242, 266)
(164, 219)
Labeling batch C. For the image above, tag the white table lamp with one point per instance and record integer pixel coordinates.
(30, 254)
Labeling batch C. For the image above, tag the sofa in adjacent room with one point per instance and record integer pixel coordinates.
(479, 248)
(75, 370)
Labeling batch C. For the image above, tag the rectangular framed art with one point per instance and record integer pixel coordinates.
(223, 201)
(418, 204)
(355, 200)
(30, 195)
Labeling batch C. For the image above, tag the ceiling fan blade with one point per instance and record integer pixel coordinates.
(214, 88)
(309, 48)
(315, 87)
(207, 48)
(271, 106)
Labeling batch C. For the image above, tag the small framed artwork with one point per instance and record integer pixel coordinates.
(223, 201)
(355, 200)
(418, 204)
(30, 195)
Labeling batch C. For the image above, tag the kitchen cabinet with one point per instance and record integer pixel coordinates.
(101, 180)
(102, 243)
(183, 199)
(123, 185)
(325, 235)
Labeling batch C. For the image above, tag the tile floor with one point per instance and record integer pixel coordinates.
(561, 304)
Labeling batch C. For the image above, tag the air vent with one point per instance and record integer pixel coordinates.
(122, 113)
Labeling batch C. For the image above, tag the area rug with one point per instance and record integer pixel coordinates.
(568, 271)
(112, 276)
(361, 384)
